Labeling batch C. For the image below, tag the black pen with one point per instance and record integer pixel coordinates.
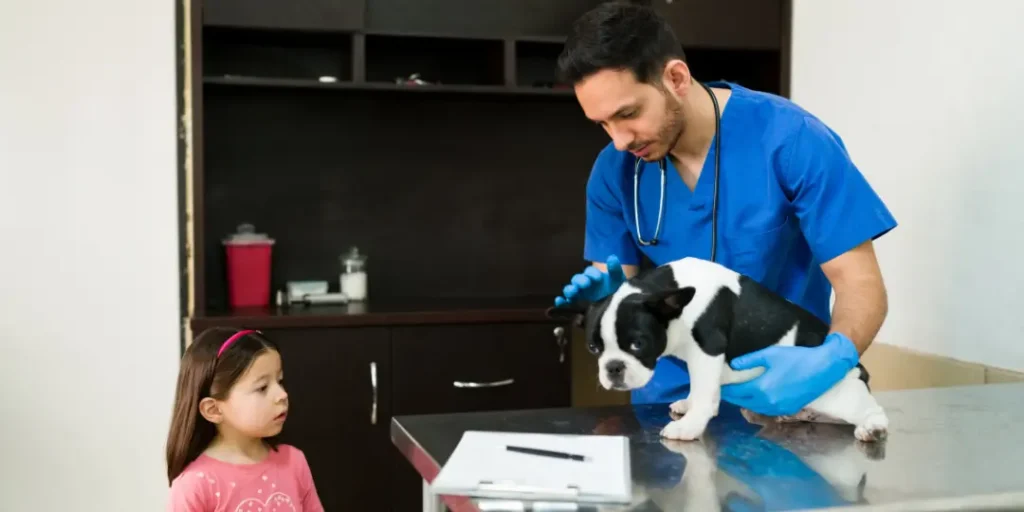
(545, 453)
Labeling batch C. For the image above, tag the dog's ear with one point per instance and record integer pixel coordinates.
(670, 303)
(569, 313)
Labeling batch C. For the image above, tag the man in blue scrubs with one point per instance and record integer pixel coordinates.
(794, 212)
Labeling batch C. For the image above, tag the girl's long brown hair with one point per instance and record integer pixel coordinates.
(203, 375)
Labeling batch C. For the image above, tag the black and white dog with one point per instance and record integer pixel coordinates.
(707, 314)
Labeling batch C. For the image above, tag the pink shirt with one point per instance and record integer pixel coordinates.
(280, 483)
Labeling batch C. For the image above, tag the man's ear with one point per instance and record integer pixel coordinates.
(573, 314)
(670, 303)
(210, 410)
(677, 77)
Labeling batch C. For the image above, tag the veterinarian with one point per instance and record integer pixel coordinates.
(774, 184)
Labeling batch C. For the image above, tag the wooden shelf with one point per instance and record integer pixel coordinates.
(387, 313)
(300, 83)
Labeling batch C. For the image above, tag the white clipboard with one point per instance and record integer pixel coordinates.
(483, 467)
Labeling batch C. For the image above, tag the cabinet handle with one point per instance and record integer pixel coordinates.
(497, 383)
(373, 383)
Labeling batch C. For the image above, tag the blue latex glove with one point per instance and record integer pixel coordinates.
(793, 377)
(592, 284)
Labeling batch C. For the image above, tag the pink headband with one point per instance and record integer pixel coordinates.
(232, 339)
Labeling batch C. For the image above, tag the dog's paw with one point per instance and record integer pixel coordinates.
(689, 428)
(874, 428)
(679, 407)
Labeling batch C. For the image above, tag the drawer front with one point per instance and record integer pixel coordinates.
(463, 368)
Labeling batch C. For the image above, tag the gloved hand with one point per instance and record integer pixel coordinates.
(592, 284)
(793, 376)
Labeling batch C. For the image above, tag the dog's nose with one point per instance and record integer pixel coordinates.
(615, 369)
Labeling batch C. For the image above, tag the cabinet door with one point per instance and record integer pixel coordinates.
(740, 24)
(290, 14)
(338, 415)
(461, 368)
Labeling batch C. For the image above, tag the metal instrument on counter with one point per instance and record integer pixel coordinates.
(309, 293)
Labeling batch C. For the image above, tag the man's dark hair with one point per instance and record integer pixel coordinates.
(618, 35)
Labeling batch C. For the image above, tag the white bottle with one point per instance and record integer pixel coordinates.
(353, 275)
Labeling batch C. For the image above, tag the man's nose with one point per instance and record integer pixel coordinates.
(621, 138)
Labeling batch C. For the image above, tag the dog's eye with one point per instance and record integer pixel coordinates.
(593, 348)
(637, 346)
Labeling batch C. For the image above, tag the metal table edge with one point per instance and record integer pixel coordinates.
(425, 465)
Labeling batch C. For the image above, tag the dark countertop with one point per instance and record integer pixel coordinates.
(948, 449)
(384, 312)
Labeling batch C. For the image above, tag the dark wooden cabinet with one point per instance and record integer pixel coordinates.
(293, 103)
(286, 14)
(338, 383)
(739, 24)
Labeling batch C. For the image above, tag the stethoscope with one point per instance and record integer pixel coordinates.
(661, 202)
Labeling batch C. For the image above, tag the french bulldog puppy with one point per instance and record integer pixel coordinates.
(707, 314)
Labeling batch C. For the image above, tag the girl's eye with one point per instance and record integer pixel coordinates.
(262, 388)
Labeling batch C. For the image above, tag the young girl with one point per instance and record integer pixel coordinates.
(221, 451)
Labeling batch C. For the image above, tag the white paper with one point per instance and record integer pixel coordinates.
(604, 475)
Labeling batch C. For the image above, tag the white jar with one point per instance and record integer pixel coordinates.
(353, 278)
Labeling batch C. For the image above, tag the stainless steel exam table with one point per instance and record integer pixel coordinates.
(956, 448)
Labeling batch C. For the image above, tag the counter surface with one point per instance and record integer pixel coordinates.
(948, 448)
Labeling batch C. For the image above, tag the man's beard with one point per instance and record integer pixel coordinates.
(670, 131)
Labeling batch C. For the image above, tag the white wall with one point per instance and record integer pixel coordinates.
(88, 238)
(926, 95)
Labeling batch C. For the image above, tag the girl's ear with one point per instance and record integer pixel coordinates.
(210, 410)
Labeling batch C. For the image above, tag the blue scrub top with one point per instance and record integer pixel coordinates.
(790, 198)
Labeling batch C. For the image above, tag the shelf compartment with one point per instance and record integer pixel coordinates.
(536, 63)
(235, 52)
(436, 60)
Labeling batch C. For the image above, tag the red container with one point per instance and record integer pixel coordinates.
(248, 267)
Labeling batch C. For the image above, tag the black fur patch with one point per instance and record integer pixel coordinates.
(640, 328)
(592, 327)
(761, 317)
